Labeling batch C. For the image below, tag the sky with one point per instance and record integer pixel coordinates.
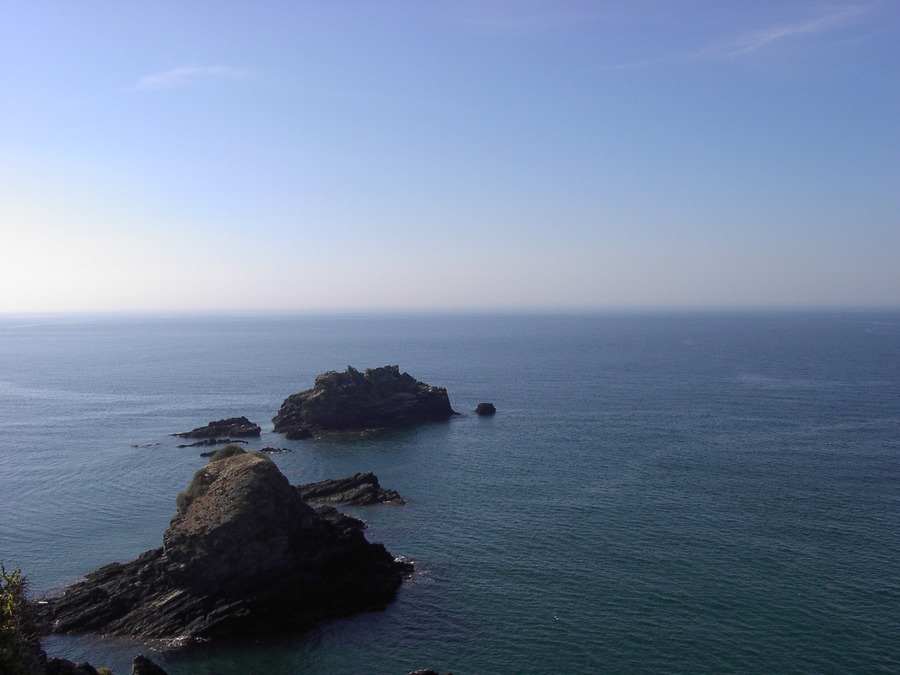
(339, 155)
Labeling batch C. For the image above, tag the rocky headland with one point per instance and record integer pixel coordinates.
(244, 555)
(361, 489)
(377, 398)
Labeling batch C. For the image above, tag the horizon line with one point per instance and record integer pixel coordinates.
(447, 311)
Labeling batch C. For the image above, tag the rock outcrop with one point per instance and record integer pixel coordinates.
(485, 409)
(233, 426)
(244, 556)
(361, 489)
(375, 399)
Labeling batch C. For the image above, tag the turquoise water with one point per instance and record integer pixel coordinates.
(715, 492)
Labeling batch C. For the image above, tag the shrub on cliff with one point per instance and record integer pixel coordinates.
(20, 652)
(228, 451)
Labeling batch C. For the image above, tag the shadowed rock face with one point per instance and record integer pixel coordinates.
(377, 398)
(245, 555)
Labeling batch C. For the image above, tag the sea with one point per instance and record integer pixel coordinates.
(658, 492)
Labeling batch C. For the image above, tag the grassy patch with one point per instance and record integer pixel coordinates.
(203, 479)
(19, 648)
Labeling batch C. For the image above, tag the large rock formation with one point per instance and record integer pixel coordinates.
(360, 489)
(374, 399)
(233, 426)
(244, 555)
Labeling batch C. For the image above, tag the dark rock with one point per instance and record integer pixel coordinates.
(55, 666)
(344, 523)
(141, 665)
(244, 556)
(210, 441)
(375, 399)
(485, 409)
(270, 451)
(361, 489)
(233, 426)
(298, 433)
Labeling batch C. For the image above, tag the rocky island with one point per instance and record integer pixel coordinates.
(243, 556)
(377, 398)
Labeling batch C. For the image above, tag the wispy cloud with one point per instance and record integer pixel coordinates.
(760, 39)
(751, 42)
(185, 76)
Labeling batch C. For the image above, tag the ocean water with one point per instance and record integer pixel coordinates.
(658, 492)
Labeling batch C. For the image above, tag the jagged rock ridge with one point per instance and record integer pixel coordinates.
(353, 400)
(360, 489)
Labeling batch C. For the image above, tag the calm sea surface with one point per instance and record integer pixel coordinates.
(714, 492)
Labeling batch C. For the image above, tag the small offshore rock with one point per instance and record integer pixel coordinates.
(233, 426)
(485, 409)
(360, 489)
(269, 450)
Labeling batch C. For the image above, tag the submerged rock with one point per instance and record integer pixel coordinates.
(244, 556)
(377, 398)
(233, 426)
(360, 489)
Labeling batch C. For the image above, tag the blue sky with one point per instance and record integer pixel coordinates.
(217, 156)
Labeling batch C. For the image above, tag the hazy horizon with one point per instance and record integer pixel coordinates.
(465, 157)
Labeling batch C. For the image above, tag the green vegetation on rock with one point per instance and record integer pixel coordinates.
(228, 451)
(203, 479)
(20, 652)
